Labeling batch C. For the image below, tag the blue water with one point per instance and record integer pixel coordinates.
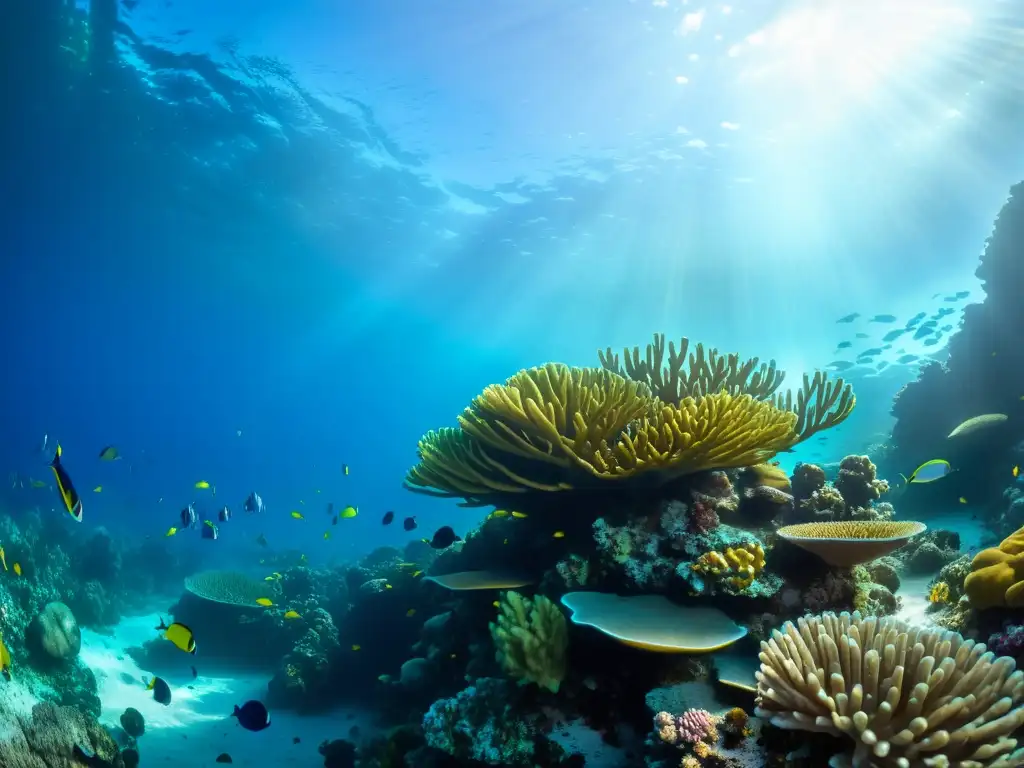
(253, 242)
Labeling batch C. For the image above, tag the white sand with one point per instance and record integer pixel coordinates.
(197, 725)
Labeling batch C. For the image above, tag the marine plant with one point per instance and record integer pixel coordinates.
(905, 696)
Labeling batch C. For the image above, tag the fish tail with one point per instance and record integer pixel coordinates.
(163, 624)
(236, 712)
(56, 456)
(905, 481)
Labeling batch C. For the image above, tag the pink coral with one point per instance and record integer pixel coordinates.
(691, 727)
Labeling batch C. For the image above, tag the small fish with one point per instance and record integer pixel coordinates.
(443, 537)
(266, 602)
(210, 530)
(334, 521)
(327, 535)
(189, 518)
(936, 469)
(303, 559)
(202, 485)
(963, 500)
(179, 635)
(98, 489)
(252, 716)
(170, 532)
(520, 515)
(195, 672)
(330, 508)
(37, 483)
(292, 615)
(298, 516)
(357, 647)
(861, 336)
(411, 612)
(416, 574)
(43, 445)
(269, 578)
(225, 514)
(161, 690)
(840, 365)
(344, 469)
(499, 513)
(296, 740)
(906, 359)
(558, 535)
(844, 345)
(496, 604)
(388, 586)
(254, 503)
(17, 569)
(389, 517)
(848, 318)
(5, 660)
(883, 319)
(348, 513)
(3, 558)
(1015, 470)
(224, 757)
(893, 335)
(409, 524)
(109, 453)
(261, 540)
(68, 494)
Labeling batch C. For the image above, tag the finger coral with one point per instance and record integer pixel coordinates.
(738, 566)
(997, 574)
(905, 696)
(531, 638)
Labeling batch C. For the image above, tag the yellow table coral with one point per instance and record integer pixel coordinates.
(997, 574)
(739, 565)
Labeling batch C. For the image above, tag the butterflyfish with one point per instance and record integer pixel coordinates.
(179, 635)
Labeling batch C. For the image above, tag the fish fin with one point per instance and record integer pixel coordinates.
(237, 711)
(56, 456)
(905, 481)
(163, 624)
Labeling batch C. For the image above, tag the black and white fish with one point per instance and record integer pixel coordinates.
(254, 503)
(225, 514)
(189, 518)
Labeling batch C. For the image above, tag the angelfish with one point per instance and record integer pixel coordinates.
(67, 491)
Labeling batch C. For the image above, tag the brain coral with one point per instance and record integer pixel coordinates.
(228, 587)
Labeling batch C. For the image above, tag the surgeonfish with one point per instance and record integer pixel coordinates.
(930, 471)
(266, 602)
(161, 690)
(443, 537)
(291, 615)
(210, 530)
(388, 518)
(202, 485)
(409, 523)
(109, 453)
(225, 514)
(189, 518)
(253, 504)
(252, 716)
(180, 635)
(348, 513)
(67, 491)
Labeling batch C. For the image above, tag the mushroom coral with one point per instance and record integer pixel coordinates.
(556, 428)
(997, 574)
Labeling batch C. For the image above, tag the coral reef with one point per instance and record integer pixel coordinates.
(854, 495)
(54, 737)
(531, 638)
(997, 574)
(928, 553)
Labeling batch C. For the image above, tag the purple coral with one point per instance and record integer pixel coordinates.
(1009, 642)
(691, 727)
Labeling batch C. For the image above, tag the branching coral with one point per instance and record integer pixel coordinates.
(738, 566)
(531, 639)
(905, 696)
(820, 403)
(555, 428)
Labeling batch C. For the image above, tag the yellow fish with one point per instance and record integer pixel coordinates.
(266, 602)
(496, 604)
(963, 500)
(559, 534)
(291, 615)
(499, 513)
(344, 468)
(505, 541)
(303, 559)
(1016, 471)
(180, 635)
(3, 558)
(171, 531)
(520, 515)
(5, 660)
(276, 575)
(298, 516)
(388, 586)
(411, 612)
(17, 569)
(417, 573)
(356, 647)
(38, 484)
(202, 484)
(269, 578)
(348, 512)
(327, 535)
(97, 489)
